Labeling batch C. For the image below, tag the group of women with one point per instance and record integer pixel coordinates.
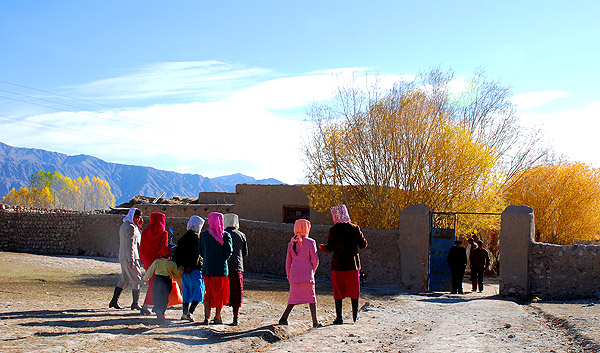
(212, 262)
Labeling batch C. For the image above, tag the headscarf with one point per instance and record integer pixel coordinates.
(231, 220)
(129, 218)
(340, 214)
(215, 226)
(158, 222)
(154, 238)
(165, 251)
(195, 223)
(301, 230)
(130, 215)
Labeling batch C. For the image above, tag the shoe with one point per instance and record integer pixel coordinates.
(452, 292)
(136, 297)
(217, 322)
(114, 304)
(317, 324)
(187, 317)
(144, 311)
(338, 321)
(205, 322)
(283, 321)
(481, 291)
(234, 323)
(161, 319)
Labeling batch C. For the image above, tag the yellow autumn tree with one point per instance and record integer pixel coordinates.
(30, 198)
(53, 190)
(380, 152)
(102, 197)
(565, 198)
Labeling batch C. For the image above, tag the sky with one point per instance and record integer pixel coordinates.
(217, 88)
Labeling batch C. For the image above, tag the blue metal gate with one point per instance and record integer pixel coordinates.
(440, 241)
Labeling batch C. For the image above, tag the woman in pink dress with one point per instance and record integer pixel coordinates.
(301, 263)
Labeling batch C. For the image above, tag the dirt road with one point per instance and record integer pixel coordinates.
(59, 304)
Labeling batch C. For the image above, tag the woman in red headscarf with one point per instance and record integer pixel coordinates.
(154, 238)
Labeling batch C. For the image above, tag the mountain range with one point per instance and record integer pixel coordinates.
(126, 181)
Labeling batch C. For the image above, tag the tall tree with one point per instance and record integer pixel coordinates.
(565, 198)
(53, 190)
(381, 150)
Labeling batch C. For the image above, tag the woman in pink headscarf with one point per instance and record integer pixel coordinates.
(345, 238)
(300, 265)
(215, 247)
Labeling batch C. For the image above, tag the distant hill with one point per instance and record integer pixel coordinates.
(126, 181)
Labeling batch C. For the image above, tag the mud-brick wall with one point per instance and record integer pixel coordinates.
(267, 248)
(39, 232)
(564, 272)
(98, 235)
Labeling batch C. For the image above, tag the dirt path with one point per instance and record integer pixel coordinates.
(59, 304)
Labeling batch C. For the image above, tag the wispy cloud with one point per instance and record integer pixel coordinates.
(197, 80)
(222, 119)
(536, 99)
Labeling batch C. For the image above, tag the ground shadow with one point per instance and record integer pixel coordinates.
(268, 333)
(84, 321)
(457, 298)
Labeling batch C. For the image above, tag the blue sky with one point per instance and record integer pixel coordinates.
(216, 88)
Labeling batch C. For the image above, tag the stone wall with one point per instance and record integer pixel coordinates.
(530, 269)
(38, 230)
(398, 256)
(564, 271)
(71, 233)
(267, 247)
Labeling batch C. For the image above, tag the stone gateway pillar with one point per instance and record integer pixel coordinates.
(413, 243)
(516, 236)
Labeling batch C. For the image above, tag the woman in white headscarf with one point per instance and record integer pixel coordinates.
(187, 256)
(345, 238)
(129, 258)
(231, 222)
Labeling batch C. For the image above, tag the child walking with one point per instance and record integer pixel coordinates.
(162, 269)
(300, 265)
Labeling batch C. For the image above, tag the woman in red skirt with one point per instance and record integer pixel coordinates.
(215, 247)
(345, 238)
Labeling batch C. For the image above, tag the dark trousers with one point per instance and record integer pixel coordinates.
(477, 273)
(160, 292)
(457, 277)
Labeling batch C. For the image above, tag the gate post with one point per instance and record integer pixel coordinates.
(413, 243)
(516, 236)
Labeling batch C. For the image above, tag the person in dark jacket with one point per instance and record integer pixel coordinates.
(187, 256)
(457, 261)
(480, 260)
(215, 247)
(236, 263)
(345, 238)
